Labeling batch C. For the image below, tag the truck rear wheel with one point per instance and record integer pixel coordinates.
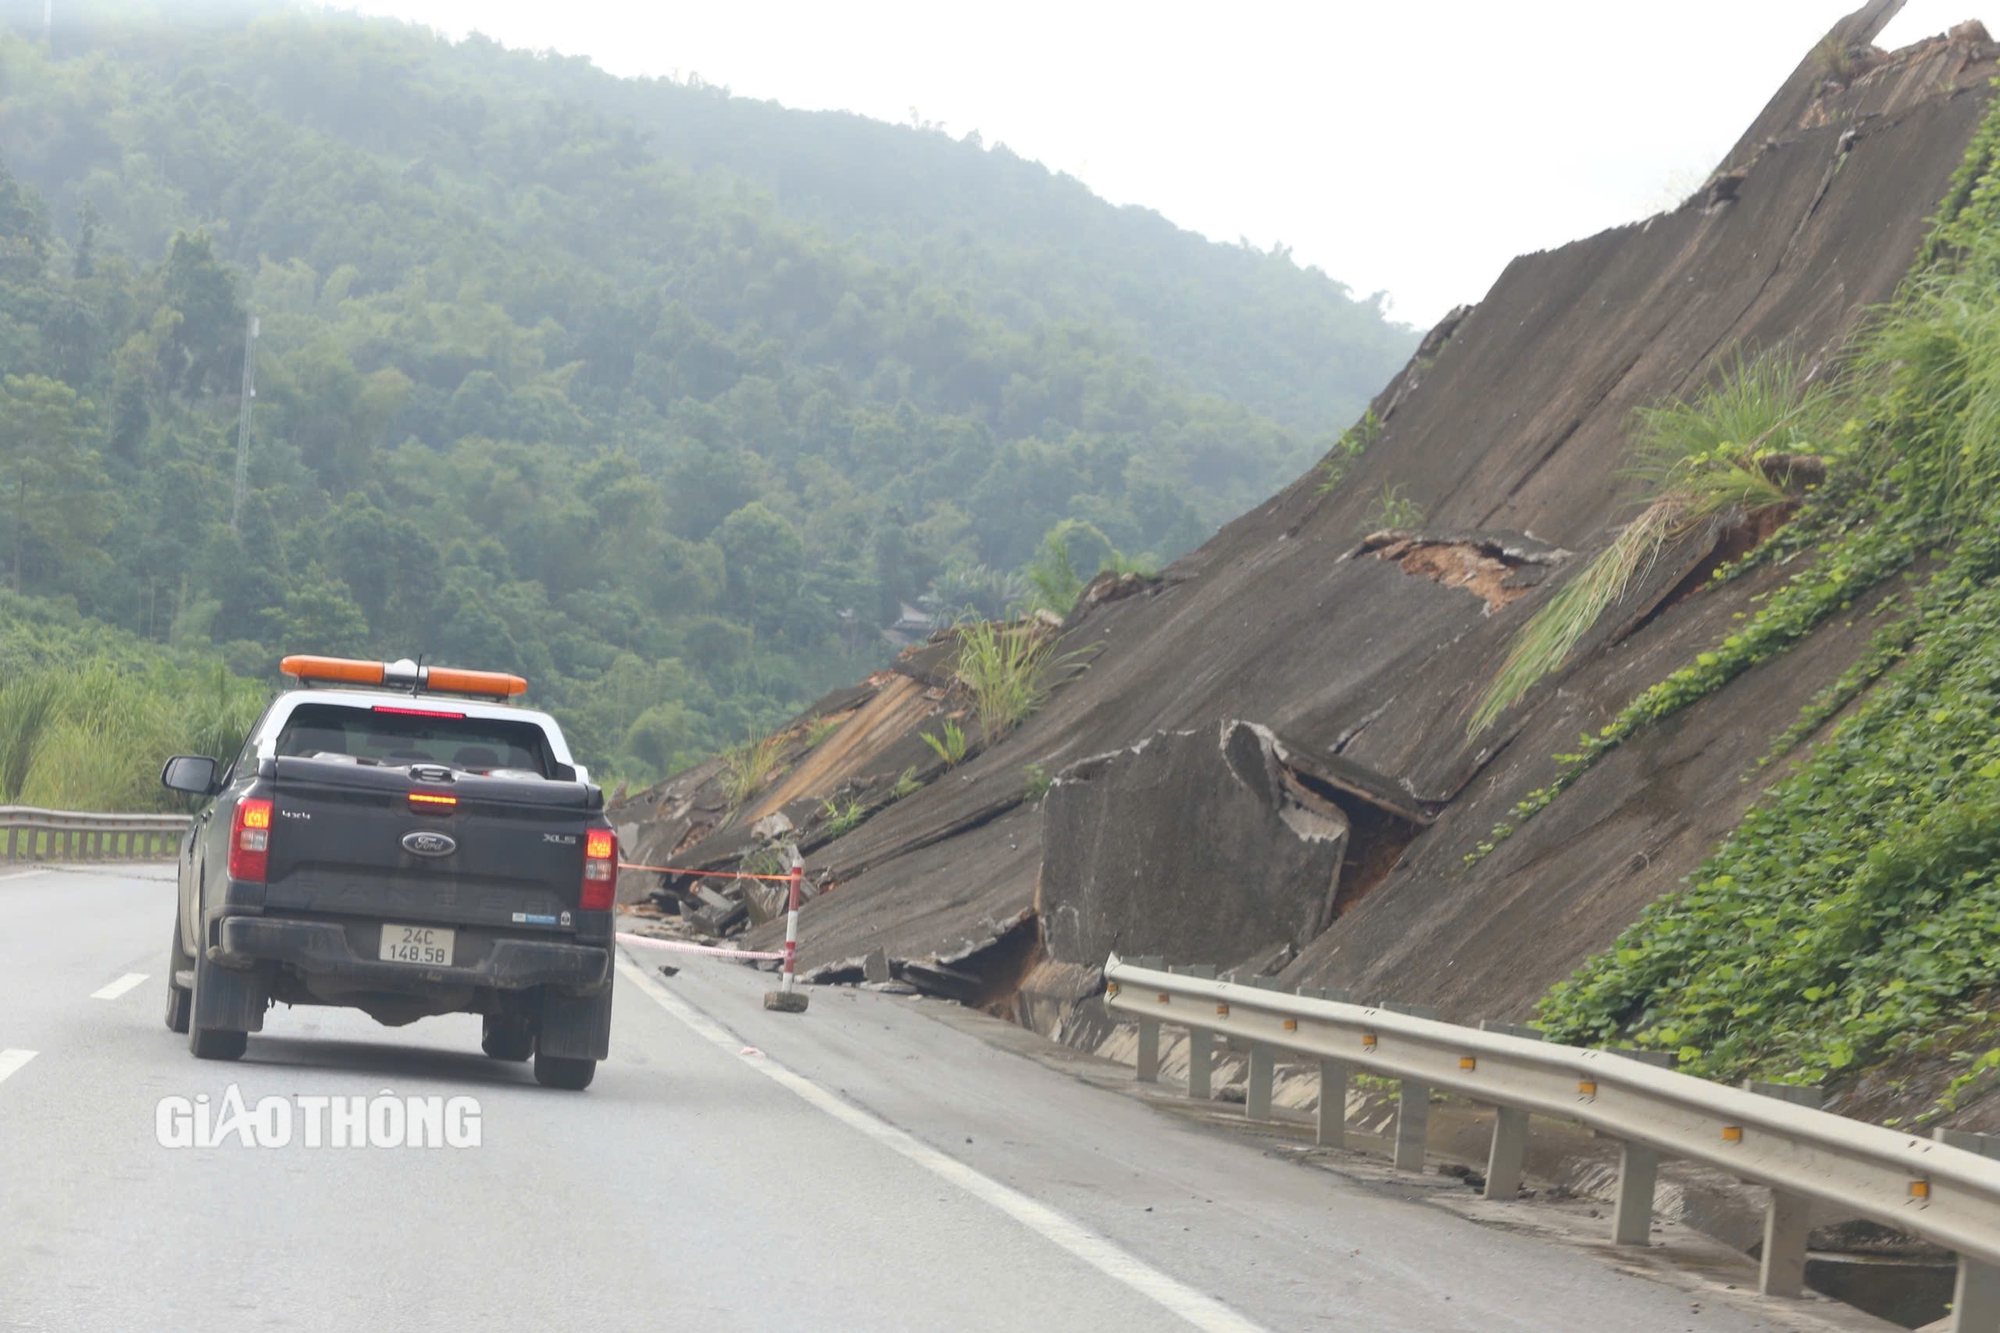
(556, 1071)
(506, 1038)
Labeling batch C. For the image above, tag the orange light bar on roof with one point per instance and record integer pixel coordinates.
(333, 668)
(454, 681)
(404, 674)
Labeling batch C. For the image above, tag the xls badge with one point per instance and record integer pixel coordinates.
(427, 842)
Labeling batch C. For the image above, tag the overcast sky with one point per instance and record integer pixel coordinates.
(1410, 147)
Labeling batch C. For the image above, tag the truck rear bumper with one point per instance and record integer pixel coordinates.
(324, 948)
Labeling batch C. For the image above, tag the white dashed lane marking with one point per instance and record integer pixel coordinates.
(118, 987)
(11, 1061)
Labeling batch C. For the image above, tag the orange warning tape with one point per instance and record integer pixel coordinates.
(712, 874)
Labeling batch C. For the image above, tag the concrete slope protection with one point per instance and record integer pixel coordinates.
(869, 1168)
(1353, 656)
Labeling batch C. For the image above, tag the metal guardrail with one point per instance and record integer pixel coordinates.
(82, 835)
(1944, 1189)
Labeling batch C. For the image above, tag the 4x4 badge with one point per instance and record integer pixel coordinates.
(425, 842)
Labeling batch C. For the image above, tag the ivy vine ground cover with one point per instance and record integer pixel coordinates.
(1856, 910)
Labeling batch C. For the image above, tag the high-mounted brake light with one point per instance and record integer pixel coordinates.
(600, 870)
(414, 712)
(431, 800)
(250, 840)
(404, 674)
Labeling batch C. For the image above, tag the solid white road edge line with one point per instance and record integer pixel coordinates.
(1201, 1310)
(11, 1061)
(118, 987)
(24, 874)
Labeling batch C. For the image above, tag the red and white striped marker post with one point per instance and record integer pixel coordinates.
(785, 999)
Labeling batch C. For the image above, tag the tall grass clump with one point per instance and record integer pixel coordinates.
(746, 768)
(1009, 669)
(93, 737)
(1749, 440)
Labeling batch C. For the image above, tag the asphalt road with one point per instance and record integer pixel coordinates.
(862, 1167)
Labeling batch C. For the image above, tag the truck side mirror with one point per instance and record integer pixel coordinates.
(191, 773)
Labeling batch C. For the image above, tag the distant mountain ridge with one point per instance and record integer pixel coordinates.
(545, 382)
(1291, 343)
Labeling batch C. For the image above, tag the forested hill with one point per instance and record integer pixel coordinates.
(550, 378)
(1243, 322)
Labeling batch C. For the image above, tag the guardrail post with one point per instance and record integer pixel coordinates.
(1413, 1102)
(1413, 1111)
(1975, 1297)
(1638, 1171)
(1975, 1293)
(1788, 1217)
(1263, 1067)
(1149, 1031)
(1331, 1131)
(1787, 1223)
(1201, 1045)
(1332, 1128)
(1509, 1152)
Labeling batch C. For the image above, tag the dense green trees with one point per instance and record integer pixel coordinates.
(541, 386)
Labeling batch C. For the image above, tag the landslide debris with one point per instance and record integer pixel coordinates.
(1353, 669)
(1497, 571)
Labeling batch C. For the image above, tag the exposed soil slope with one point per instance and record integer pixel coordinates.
(1361, 653)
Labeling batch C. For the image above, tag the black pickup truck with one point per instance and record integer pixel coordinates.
(401, 853)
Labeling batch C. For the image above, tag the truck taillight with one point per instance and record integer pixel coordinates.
(600, 870)
(250, 840)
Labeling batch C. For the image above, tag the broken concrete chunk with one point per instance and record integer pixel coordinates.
(721, 920)
(765, 900)
(875, 966)
(772, 827)
(846, 972)
(934, 978)
(1190, 844)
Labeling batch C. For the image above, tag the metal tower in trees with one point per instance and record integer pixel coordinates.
(243, 421)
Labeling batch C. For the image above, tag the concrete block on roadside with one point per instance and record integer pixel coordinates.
(785, 1001)
(1799, 1094)
(875, 967)
(1521, 1030)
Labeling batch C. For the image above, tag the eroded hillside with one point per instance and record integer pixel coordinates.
(1265, 758)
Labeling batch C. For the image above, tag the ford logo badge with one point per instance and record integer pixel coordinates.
(424, 842)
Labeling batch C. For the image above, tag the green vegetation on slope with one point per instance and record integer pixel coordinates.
(1746, 443)
(533, 394)
(1857, 909)
(87, 711)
